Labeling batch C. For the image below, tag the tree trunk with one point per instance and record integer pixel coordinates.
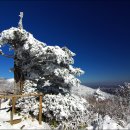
(18, 79)
(18, 75)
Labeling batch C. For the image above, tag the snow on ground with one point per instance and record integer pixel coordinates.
(26, 123)
(108, 124)
(30, 123)
(10, 80)
(85, 91)
(6, 85)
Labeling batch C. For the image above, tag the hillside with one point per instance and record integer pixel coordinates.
(6, 85)
(84, 91)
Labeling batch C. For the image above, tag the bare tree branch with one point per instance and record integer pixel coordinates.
(20, 24)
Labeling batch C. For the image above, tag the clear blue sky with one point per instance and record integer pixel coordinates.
(97, 31)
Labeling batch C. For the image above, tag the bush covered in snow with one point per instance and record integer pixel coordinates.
(65, 109)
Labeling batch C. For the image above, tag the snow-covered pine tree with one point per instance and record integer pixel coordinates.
(46, 69)
(37, 62)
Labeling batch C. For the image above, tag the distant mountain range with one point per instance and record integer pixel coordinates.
(108, 87)
(106, 84)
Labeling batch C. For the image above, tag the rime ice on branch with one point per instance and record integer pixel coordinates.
(20, 24)
(36, 61)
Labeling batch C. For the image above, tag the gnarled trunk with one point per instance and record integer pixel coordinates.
(18, 79)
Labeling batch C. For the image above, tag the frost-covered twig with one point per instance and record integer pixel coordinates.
(20, 24)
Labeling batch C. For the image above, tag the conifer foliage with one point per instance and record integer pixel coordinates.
(50, 67)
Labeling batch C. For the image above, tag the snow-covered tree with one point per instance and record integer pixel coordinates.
(47, 69)
(98, 94)
(42, 64)
(123, 100)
